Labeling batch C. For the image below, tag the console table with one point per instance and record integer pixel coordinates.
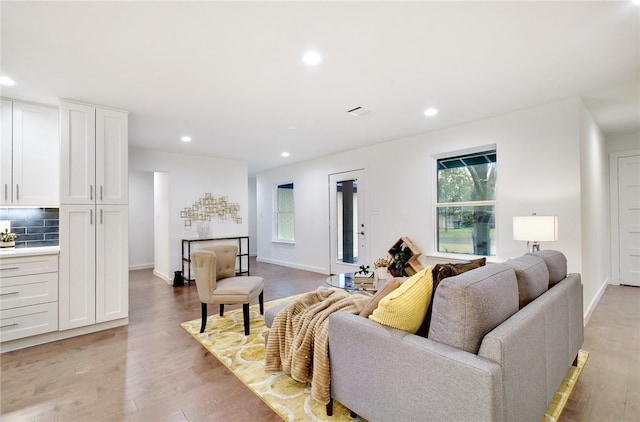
(243, 254)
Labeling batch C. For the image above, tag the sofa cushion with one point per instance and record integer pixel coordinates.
(468, 306)
(388, 287)
(533, 277)
(556, 264)
(406, 306)
(440, 272)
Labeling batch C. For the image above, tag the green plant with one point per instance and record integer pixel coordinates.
(400, 255)
(8, 237)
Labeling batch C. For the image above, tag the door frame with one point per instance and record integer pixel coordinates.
(615, 223)
(363, 188)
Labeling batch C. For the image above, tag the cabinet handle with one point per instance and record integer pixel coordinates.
(15, 324)
(6, 192)
(91, 216)
(9, 268)
(101, 192)
(100, 215)
(10, 293)
(91, 192)
(17, 192)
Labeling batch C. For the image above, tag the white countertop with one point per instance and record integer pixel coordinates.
(44, 250)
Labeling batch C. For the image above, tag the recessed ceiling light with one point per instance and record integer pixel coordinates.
(312, 58)
(5, 80)
(186, 139)
(430, 112)
(285, 154)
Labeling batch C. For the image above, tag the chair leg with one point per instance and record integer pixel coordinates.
(245, 314)
(261, 301)
(204, 317)
(221, 309)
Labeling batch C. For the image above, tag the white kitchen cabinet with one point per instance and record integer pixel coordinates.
(28, 296)
(94, 215)
(94, 155)
(29, 155)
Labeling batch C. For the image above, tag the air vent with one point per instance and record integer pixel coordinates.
(359, 111)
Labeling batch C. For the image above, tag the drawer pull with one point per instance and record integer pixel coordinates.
(9, 268)
(10, 293)
(15, 324)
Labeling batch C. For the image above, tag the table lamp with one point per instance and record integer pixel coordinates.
(534, 229)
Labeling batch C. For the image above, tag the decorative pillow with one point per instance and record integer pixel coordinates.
(388, 287)
(440, 272)
(406, 306)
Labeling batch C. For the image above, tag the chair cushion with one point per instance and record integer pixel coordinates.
(466, 307)
(533, 277)
(237, 289)
(556, 264)
(406, 306)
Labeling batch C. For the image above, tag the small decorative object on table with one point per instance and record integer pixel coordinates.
(381, 271)
(7, 240)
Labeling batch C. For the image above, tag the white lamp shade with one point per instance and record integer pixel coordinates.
(536, 228)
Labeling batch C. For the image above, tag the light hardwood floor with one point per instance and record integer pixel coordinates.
(152, 370)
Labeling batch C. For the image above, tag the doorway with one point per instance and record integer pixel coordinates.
(348, 249)
(626, 213)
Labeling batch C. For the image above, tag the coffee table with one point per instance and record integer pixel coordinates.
(349, 282)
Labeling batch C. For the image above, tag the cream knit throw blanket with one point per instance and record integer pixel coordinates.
(298, 342)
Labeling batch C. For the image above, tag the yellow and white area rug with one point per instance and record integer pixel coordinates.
(244, 356)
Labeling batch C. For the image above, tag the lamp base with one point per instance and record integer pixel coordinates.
(534, 247)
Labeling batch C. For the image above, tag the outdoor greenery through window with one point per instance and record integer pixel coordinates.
(466, 203)
(284, 213)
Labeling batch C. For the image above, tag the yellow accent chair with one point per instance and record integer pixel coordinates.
(217, 283)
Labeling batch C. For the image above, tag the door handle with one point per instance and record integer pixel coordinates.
(17, 192)
(101, 192)
(91, 216)
(6, 192)
(100, 215)
(362, 233)
(91, 192)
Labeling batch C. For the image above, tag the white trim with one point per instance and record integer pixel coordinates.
(293, 265)
(594, 303)
(613, 219)
(163, 276)
(140, 267)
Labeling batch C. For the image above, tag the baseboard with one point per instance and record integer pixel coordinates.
(293, 265)
(594, 303)
(140, 267)
(165, 277)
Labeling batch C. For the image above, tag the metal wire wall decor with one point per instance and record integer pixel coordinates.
(209, 207)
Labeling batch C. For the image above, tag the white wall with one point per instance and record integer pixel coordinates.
(190, 177)
(623, 142)
(594, 197)
(140, 220)
(539, 170)
(253, 216)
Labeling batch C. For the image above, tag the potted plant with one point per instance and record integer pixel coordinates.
(7, 240)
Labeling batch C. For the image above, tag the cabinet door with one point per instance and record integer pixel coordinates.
(78, 153)
(112, 262)
(36, 155)
(112, 152)
(6, 152)
(77, 266)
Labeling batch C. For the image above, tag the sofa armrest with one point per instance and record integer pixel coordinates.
(385, 374)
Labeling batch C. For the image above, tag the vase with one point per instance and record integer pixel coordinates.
(381, 274)
(10, 244)
(203, 229)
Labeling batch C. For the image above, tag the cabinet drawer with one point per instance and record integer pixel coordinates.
(28, 290)
(25, 265)
(28, 321)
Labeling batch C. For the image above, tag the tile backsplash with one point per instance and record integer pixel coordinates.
(34, 226)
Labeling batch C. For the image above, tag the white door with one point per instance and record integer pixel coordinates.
(112, 262)
(348, 231)
(78, 153)
(6, 153)
(77, 271)
(629, 219)
(112, 165)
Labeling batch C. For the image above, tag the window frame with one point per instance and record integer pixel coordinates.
(277, 212)
(486, 149)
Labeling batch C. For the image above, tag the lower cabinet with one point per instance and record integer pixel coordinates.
(94, 267)
(28, 296)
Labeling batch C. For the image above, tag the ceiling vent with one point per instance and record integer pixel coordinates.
(359, 111)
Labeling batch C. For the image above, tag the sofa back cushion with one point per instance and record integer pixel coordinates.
(468, 306)
(556, 264)
(533, 277)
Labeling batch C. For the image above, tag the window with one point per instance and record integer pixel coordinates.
(284, 213)
(465, 207)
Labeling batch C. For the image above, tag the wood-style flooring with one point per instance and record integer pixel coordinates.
(153, 370)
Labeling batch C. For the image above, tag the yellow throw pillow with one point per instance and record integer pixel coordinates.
(406, 306)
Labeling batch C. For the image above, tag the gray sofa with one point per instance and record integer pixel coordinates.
(501, 340)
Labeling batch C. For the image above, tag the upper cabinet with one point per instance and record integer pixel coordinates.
(29, 155)
(94, 163)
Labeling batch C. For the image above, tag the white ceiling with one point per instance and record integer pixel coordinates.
(230, 75)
